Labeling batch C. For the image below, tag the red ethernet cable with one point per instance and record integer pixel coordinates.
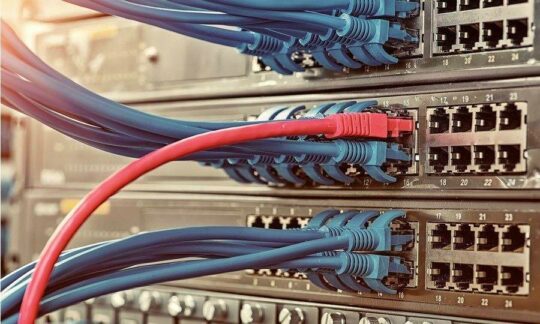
(340, 125)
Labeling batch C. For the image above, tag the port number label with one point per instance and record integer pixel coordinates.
(443, 182)
(513, 96)
(489, 96)
(488, 182)
(507, 304)
(438, 298)
(464, 182)
(491, 58)
(508, 217)
(482, 216)
(461, 300)
(515, 56)
(445, 62)
(484, 302)
(468, 60)
(459, 216)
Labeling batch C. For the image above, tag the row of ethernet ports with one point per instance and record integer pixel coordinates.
(477, 118)
(446, 6)
(489, 35)
(473, 159)
(479, 278)
(478, 237)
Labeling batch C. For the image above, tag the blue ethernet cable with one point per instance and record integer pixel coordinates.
(71, 270)
(130, 278)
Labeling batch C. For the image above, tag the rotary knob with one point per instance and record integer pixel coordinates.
(149, 300)
(184, 306)
(122, 299)
(374, 320)
(251, 313)
(214, 310)
(291, 316)
(332, 318)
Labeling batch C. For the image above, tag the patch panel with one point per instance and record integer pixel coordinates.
(442, 281)
(442, 122)
(477, 139)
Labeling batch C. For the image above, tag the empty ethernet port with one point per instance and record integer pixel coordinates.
(513, 239)
(438, 158)
(512, 278)
(462, 120)
(517, 30)
(439, 121)
(462, 275)
(461, 158)
(464, 238)
(446, 6)
(446, 37)
(469, 4)
(488, 238)
(485, 119)
(509, 156)
(441, 237)
(487, 277)
(510, 117)
(439, 274)
(484, 157)
(492, 33)
(255, 221)
(469, 35)
(492, 3)
(275, 223)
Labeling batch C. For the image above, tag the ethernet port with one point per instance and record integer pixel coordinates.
(492, 33)
(512, 278)
(275, 223)
(294, 223)
(438, 158)
(464, 238)
(462, 275)
(510, 117)
(461, 120)
(492, 3)
(513, 239)
(440, 274)
(484, 157)
(256, 222)
(487, 277)
(485, 119)
(446, 6)
(488, 239)
(441, 237)
(517, 30)
(439, 121)
(469, 35)
(509, 156)
(446, 37)
(469, 4)
(461, 158)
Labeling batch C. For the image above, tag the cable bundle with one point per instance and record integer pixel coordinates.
(320, 169)
(338, 34)
(33, 88)
(326, 252)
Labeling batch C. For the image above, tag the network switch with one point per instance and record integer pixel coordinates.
(465, 138)
(458, 40)
(475, 258)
